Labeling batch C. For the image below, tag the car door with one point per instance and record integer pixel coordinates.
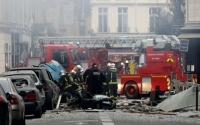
(55, 88)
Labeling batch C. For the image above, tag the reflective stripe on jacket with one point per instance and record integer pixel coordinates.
(112, 76)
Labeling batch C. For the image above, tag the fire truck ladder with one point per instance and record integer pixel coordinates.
(100, 42)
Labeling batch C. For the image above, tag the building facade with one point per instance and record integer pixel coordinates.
(23, 21)
(15, 16)
(191, 32)
(124, 16)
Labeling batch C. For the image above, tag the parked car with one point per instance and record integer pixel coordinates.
(51, 89)
(32, 99)
(54, 68)
(16, 101)
(5, 108)
(35, 80)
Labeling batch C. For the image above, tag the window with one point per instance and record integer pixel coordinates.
(83, 55)
(75, 56)
(2, 92)
(193, 10)
(5, 85)
(39, 74)
(14, 89)
(61, 56)
(122, 19)
(49, 75)
(103, 19)
(21, 83)
(34, 78)
(153, 14)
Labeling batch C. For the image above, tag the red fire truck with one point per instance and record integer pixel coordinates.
(68, 55)
(161, 62)
(90, 50)
(153, 60)
(88, 56)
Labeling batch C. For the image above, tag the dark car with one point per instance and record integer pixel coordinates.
(5, 108)
(51, 89)
(16, 101)
(33, 77)
(32, 98)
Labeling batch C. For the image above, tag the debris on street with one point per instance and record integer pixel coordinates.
(181, 102)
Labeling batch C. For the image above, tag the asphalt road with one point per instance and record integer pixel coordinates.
(109, 118)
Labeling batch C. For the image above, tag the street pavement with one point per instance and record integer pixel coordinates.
(109, 118)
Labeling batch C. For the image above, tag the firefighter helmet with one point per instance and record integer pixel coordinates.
(122, 64)
(72, 72)
(112, 65)
(78, 67)
(108, 64)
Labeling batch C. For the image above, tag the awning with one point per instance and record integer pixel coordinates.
(189, 35)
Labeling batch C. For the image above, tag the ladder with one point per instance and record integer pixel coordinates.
(114, 41)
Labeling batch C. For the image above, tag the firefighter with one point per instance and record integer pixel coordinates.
(71, 88)
(79, 71)
(76, 68)
(122, 68)
(62, 80)
(86, 78)
(78, 79)
(105, 84)
(112, 77)
(127, 67)
(96, 79)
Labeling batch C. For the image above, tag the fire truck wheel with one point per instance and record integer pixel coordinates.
(131, 91)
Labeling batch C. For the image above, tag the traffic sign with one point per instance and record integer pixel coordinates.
(184, 43)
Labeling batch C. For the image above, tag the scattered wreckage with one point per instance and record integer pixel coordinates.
(84, 100)
(181, 98)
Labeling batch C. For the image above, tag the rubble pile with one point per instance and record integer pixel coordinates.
(136, 106)
(181, 102)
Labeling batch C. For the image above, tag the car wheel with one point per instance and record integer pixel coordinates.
(38, 113)
(44, 108)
